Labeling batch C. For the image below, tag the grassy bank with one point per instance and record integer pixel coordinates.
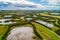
(3, 30)
(45, 32)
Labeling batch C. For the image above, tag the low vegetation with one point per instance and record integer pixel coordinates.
(41, 31)
(3, 30)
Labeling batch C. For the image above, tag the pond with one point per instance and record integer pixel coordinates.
(21, 33)
(45, 23)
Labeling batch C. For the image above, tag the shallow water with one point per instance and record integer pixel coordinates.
(45, 23)
(21, 33)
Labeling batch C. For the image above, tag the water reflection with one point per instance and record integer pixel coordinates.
(21, 33)
(45, 23)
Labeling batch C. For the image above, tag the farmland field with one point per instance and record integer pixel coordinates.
(46, 33)
(45, 25)
(3, 30)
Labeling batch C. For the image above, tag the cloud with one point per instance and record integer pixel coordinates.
(25, 4)
(42, 0)
(52, 7)
(53, 2)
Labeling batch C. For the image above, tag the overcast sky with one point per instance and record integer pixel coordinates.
(29, 4)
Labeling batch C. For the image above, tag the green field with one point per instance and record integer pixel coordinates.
(41, 31)
(3, 30)
(45, 32)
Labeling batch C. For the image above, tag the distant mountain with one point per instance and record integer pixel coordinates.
(50, 11)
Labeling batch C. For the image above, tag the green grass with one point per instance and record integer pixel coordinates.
(55, 28)
(43, 14)
(3, 30)
(55, 23)
(43, 30)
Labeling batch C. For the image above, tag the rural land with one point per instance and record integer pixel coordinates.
(45, 24)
